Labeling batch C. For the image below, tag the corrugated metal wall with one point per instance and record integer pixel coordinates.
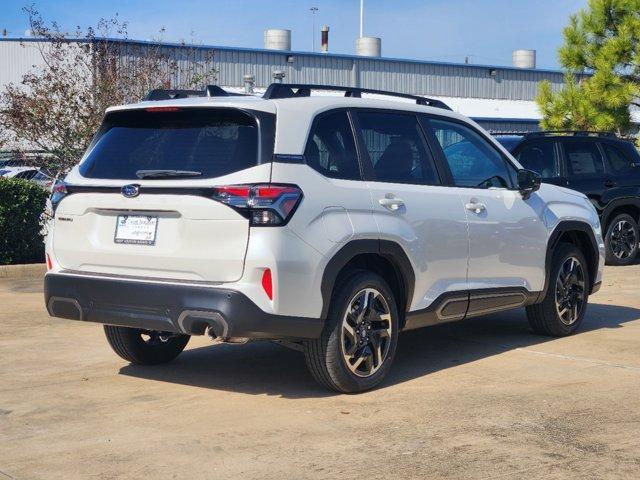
(410, 77)
(419, 78)
(16, 59)
(510, 126)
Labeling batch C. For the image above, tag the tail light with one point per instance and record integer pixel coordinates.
(58, 192)
(264, 205)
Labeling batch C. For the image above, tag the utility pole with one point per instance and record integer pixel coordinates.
(313, 28)
(361, 18)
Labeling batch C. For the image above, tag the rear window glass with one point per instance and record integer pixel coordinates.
(195, 143)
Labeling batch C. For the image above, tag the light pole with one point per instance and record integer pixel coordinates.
(313, 28)
(361, 18)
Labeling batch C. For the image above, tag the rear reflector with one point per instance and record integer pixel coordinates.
(49, 264)
(267, 283)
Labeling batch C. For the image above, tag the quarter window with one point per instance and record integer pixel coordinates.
(396, 148)
(473, 161)
(583, 158)
(331, 149)
(617, 159)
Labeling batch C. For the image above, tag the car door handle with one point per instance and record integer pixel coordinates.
(391, 202)
(475, 207)
(609, 183)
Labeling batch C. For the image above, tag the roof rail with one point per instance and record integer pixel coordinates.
(209, 91)
(575, 133)
(294, 90)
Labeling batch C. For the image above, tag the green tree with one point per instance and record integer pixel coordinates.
(601, 54)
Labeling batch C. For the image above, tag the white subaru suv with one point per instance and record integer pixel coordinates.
(328, 223)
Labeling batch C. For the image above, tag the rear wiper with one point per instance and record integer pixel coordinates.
(166, 173)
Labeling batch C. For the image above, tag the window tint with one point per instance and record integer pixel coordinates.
(583, 158)
(397, 148)
(473, 161)
(211, 141)
(617, 159)
(331, 149)
(540, 157)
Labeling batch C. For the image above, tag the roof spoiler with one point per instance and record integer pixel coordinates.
(209, 91)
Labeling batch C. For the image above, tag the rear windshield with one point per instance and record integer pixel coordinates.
(190, 143)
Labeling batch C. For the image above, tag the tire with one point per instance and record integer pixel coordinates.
(545, 318)
(621, 240)
(350, 362)
(144, 347)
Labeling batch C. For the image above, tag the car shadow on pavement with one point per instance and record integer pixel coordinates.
(264, 368)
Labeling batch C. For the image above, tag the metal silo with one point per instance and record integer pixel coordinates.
(369, 46)
(277, 39)
(524, 58)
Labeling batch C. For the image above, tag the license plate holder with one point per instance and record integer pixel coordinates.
(136, 229)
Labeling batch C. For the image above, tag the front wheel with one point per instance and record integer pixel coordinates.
(621, 240)
(358, 343)
(565, 303)
(145, 347)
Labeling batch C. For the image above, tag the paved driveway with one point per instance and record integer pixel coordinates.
(478, 399)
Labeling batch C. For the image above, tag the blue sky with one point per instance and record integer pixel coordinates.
(445, 30)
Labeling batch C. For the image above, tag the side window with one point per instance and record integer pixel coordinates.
(617, 159)
(540, 157)
(331, 149)
(473, 161)
(397, 148)
(583, 158)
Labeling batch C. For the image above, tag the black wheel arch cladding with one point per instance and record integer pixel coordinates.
(388, 250)
(591, 252)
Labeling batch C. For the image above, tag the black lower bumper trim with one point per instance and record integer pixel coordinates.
(171, 308)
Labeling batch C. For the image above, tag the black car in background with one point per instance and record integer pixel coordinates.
(600, 165)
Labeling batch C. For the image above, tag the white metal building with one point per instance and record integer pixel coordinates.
(500, 98)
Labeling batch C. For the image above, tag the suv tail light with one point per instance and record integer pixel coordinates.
(264, 205)
(58, 192)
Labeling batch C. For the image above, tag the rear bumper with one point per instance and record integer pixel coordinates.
(166, 307)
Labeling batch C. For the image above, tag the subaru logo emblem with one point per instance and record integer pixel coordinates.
(130, 191)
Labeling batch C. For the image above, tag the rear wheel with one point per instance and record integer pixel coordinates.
(565, 303)
(358, 343)
(621, 240)
(145, 347)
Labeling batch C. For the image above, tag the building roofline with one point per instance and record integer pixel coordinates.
(294, 52)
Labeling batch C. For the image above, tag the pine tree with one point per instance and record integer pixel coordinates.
(601, 54)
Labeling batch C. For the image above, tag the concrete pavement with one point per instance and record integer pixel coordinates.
(484, 398)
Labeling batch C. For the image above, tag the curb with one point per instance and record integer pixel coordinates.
(30, 270)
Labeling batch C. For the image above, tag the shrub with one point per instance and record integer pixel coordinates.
(21, 207)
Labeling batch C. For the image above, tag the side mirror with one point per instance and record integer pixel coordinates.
(528, 182)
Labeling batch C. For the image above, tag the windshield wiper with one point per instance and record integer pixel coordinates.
(166, 173)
